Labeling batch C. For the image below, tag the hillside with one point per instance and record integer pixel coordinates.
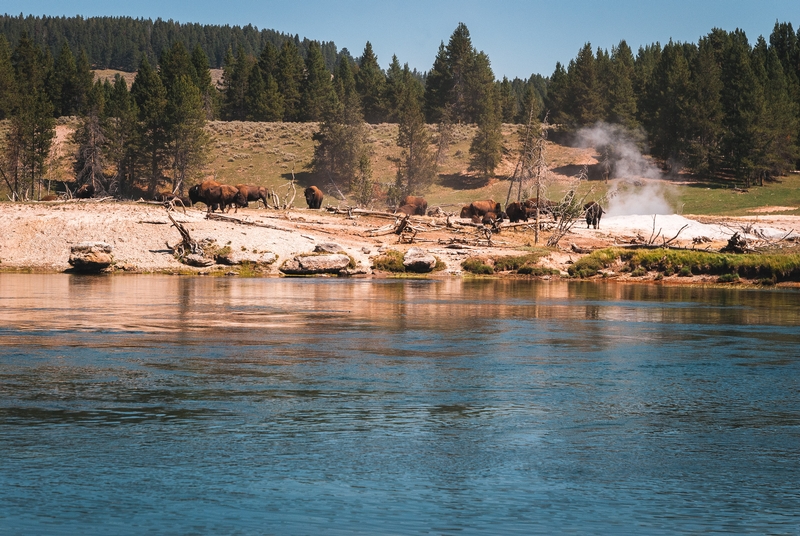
(267, 153)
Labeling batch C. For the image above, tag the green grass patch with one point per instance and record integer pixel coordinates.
(391, 261)
(515, 262)
(538, 271)
(477, 266)
(775, 266)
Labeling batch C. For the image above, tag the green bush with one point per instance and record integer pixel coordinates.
(685, 272)
(537, 270)
(728, 278)
(508, 263)
(477, 266)
(639, 272)
(391, 261)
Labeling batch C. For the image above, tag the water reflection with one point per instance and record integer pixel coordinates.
(296, 406)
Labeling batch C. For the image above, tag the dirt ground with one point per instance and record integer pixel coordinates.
(38, 236)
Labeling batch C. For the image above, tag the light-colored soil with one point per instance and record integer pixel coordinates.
(38, 236)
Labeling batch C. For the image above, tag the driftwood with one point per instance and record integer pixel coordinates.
(231, 219)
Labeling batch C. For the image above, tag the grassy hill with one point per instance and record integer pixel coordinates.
(267, 153)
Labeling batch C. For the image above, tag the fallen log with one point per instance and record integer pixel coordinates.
(231, 219)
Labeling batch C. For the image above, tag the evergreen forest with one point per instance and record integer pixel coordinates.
(720, 107)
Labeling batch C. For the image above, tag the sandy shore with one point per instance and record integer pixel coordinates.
(38, 236)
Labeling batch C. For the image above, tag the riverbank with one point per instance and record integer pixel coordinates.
(38, 236)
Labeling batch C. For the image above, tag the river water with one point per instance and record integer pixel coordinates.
(134, 404)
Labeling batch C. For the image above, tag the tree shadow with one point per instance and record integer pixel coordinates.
(304, 179)
(457, 181)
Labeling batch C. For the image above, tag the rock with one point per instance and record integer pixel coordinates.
(91, 256)
(315, 264)
(418, 260)
(234, 258)
(198, 260)
(328, 247)
(366, 250)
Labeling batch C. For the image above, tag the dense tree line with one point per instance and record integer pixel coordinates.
(719, 106)
(121, 42)
(153, 131)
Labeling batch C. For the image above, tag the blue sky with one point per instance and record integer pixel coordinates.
(520, 37)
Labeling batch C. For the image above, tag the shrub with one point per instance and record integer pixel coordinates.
(391, 261)
(728, 278)
(685, 272)
(639, 272)
(537, 270)
(504, 264)
(477, 266)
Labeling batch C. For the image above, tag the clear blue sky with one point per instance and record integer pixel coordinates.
(521, 37)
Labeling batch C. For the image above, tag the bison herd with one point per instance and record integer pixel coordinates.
(222, 197)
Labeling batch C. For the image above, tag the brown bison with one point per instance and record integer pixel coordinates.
(480, 208)
(216, 195)
(516, 212)
(252, 192)
(421, 206)
(593, 214)
(409, 210)
(466, 212)
(85, 192)
(313, 197)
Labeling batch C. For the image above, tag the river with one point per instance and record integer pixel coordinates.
(190, 405)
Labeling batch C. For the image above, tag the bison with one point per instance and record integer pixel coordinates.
(409, 210)
(85, 192)
(313, 197)
(480, 208)
(516, 212)
(216, 195)
(593, 214)
(252, 192)
(419, 203)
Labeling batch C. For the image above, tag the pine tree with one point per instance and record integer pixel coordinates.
(668, 97)
(263, 102)
(395, 85)
(342, 152)
(742, 100)
(32, 128)
(208, 93)
(416, 170)
(584, 102)
(621, 98)
(317, 88)
(437, 86)
(371, 86)
(558, 96)
(289, 77)
(234, 84)
(486, 149)
(705, 111)
(150, 96)
(90, 161)
(508, 101)
(460, 59)
(62, 82)
(121, 136)
(186, 137)
(7, 82)
(175, 63)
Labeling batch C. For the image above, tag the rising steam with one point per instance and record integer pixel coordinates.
(642, 190)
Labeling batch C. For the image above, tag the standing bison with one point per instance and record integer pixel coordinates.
(313, 197)
(516, 212)
(419, 204)
(216, 195)
(593, 214)
(481, 208)
(252, 192)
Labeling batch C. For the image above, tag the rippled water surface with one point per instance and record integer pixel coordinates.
(134, 404)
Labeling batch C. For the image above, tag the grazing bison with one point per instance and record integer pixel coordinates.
(409, 210)
(313, 197)
(252, 192)
(466, 212)
(516, 212)
(421, 206)
(85, 192)
(593, 214)
(216, 195)
(480, 208)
